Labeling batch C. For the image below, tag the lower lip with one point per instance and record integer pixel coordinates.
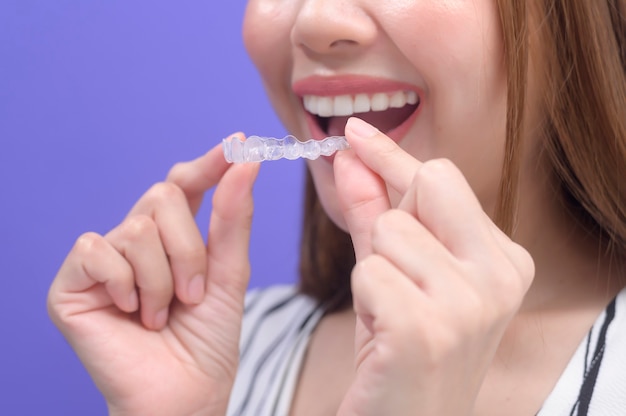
(396, 134)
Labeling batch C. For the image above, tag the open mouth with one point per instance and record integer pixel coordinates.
(385, 111)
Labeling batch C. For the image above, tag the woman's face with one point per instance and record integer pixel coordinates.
(429, 73)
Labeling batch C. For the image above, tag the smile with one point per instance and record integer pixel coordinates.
(329, 102)
(386, 111)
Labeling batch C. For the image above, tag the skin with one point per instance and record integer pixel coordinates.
(476, 318)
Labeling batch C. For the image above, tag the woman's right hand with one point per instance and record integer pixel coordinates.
(153, 313)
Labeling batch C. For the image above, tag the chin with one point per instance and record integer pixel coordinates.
(324, 182)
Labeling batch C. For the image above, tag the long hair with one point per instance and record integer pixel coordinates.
(584, 47)
(584, 66)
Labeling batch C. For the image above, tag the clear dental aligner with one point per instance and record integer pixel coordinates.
(258, 149)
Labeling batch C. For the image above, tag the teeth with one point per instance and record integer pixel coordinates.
(362, 103)
(343, 106)
(380, 102)
(346, 105)
(325, 106)
(398, 100)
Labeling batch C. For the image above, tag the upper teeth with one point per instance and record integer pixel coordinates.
(346, 105)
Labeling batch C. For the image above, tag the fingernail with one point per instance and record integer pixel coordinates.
(160, 318)
(360, 128)
(195, 290)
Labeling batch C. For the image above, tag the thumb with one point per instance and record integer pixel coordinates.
(362, 197)
(210, 330)
(229, 232)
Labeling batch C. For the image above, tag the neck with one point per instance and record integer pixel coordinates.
(573, 267)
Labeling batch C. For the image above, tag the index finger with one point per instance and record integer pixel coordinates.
(199, 175)
(173, 205)
(382, 155)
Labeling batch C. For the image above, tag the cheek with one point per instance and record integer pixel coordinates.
(458, 52)
(261, 27)
(267, 29)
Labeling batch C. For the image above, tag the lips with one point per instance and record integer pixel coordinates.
(389, 105)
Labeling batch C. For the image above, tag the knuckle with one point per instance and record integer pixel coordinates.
(389, 220)
(364, 268)
(177, 173)
(164, 192)
(137, 227)
(436, 169)
(371, 273)
(442, 164)
(381, 227)
(508, 291)
(388, 224)
(88, 243)
(473, 313)
(442, 343)
(525, 263)
(373, 265)
(517, 272)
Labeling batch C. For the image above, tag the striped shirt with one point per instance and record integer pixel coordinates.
(278, 324)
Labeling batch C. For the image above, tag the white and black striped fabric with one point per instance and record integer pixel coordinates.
(594, 381)
(278, 323)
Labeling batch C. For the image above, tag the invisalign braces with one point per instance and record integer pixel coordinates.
(258, 149)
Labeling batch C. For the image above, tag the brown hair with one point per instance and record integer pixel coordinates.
(584, 59)
(584, 45)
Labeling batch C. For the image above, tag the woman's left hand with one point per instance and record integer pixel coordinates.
(435, 285)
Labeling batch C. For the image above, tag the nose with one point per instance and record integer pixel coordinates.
(332, 26)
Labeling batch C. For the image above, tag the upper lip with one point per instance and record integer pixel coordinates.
(349, 84)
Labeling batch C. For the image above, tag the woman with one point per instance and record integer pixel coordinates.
(451, 314)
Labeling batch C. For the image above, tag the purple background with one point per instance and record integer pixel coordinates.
(97, 100)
